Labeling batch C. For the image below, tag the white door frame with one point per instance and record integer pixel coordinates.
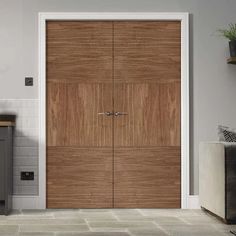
(184, 18)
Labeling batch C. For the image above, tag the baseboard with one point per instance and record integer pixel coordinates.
(26, 202)
(34, 202)
(193, 202)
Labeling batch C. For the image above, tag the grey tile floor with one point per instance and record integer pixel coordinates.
(112, 222)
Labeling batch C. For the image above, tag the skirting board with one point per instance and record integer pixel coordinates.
(193, 202)
(33, 202)
(25, 202)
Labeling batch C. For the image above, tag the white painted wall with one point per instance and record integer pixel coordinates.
(213, 82)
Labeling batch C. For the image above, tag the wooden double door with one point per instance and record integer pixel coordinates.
(113, 114)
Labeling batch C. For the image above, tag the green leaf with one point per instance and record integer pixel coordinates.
(229, 33)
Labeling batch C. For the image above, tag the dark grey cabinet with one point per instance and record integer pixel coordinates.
(6, 165)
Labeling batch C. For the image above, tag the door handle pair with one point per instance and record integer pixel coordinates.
(108, 113)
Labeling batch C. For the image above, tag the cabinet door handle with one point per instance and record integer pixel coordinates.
(106, 113)
(118, 113)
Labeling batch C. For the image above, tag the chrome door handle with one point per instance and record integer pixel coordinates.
(106, 113)
(118, 113)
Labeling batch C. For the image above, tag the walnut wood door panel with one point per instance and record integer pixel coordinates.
(79, 51)
(147, 78)
(147, 51)
(79, 141)
(153, 117)
(72, 114)
(79, 177)
(147, 177)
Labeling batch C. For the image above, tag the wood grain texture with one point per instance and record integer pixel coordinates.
(72, 114)
(79, 141)
(79, 177)
(153, 114)
(7, 123)
(147, 51)
(147, 77)
(147, 177)
(79, 51)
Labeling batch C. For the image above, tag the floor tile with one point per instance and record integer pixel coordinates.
(127, 211)
(191, 230)
(168, 212)
(36, 212)
(200, 220)
(36, 234)
(96, 210)
(130, 215)
(112, 222)
(8, 230)
(94, 234)
(120, 225)
(53, 228)
(170, 220)
(42, 221)
(147, 232)
(95, 216)
(224, 228)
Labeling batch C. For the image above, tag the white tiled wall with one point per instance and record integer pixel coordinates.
(25, 143)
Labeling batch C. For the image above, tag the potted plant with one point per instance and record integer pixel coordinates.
(230, 34)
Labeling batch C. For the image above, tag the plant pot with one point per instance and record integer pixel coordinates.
(232, 48)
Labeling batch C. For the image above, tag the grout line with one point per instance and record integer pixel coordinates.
(87, 223)
(19, 229)
(155, 223)
(116, 217)
(141, 213)
(131, 234)
(185, 221)
(161, 228)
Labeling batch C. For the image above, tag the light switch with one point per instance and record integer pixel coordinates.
(29, 81)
